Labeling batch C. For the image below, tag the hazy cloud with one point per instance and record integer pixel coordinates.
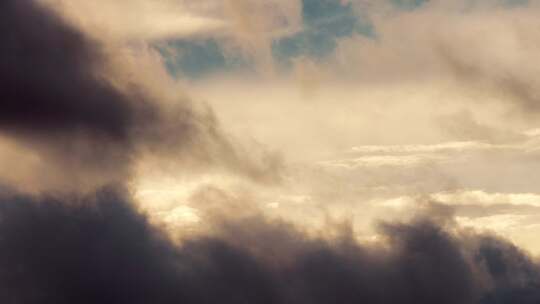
(80, 105)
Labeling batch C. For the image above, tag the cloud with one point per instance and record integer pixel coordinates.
(98, 249)
(81, 106)
(463, 125)
(144, 20)
(257, 24)
(441, 42)
(64, 94)
(486, 199)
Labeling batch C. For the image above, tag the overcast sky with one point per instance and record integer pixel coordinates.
(381, 122)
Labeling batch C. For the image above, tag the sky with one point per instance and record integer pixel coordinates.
(270, 151)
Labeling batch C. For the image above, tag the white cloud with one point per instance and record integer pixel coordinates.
(479, 197)
(140, 19)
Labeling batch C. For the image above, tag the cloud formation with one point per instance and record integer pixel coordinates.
(80, 105)
(98, 249)
(87, 117)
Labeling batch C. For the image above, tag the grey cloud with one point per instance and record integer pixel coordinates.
(49, 80)
(58, 100)
(97, 249)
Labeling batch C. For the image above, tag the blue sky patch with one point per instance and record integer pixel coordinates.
(324, 21)
(198, 58)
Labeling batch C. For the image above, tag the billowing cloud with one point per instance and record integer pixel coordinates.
(98, 249)
(78, 105)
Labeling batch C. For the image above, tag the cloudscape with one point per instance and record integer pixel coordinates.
(270, 151)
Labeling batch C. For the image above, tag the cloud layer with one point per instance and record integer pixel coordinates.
(98, 249)
(88, 118)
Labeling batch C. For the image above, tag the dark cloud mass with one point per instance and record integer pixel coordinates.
(59, 101)
(49, 80)
(99, 250)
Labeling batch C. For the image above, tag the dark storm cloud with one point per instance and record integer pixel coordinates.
(99, 250)
(58, 100)
(49, 81)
